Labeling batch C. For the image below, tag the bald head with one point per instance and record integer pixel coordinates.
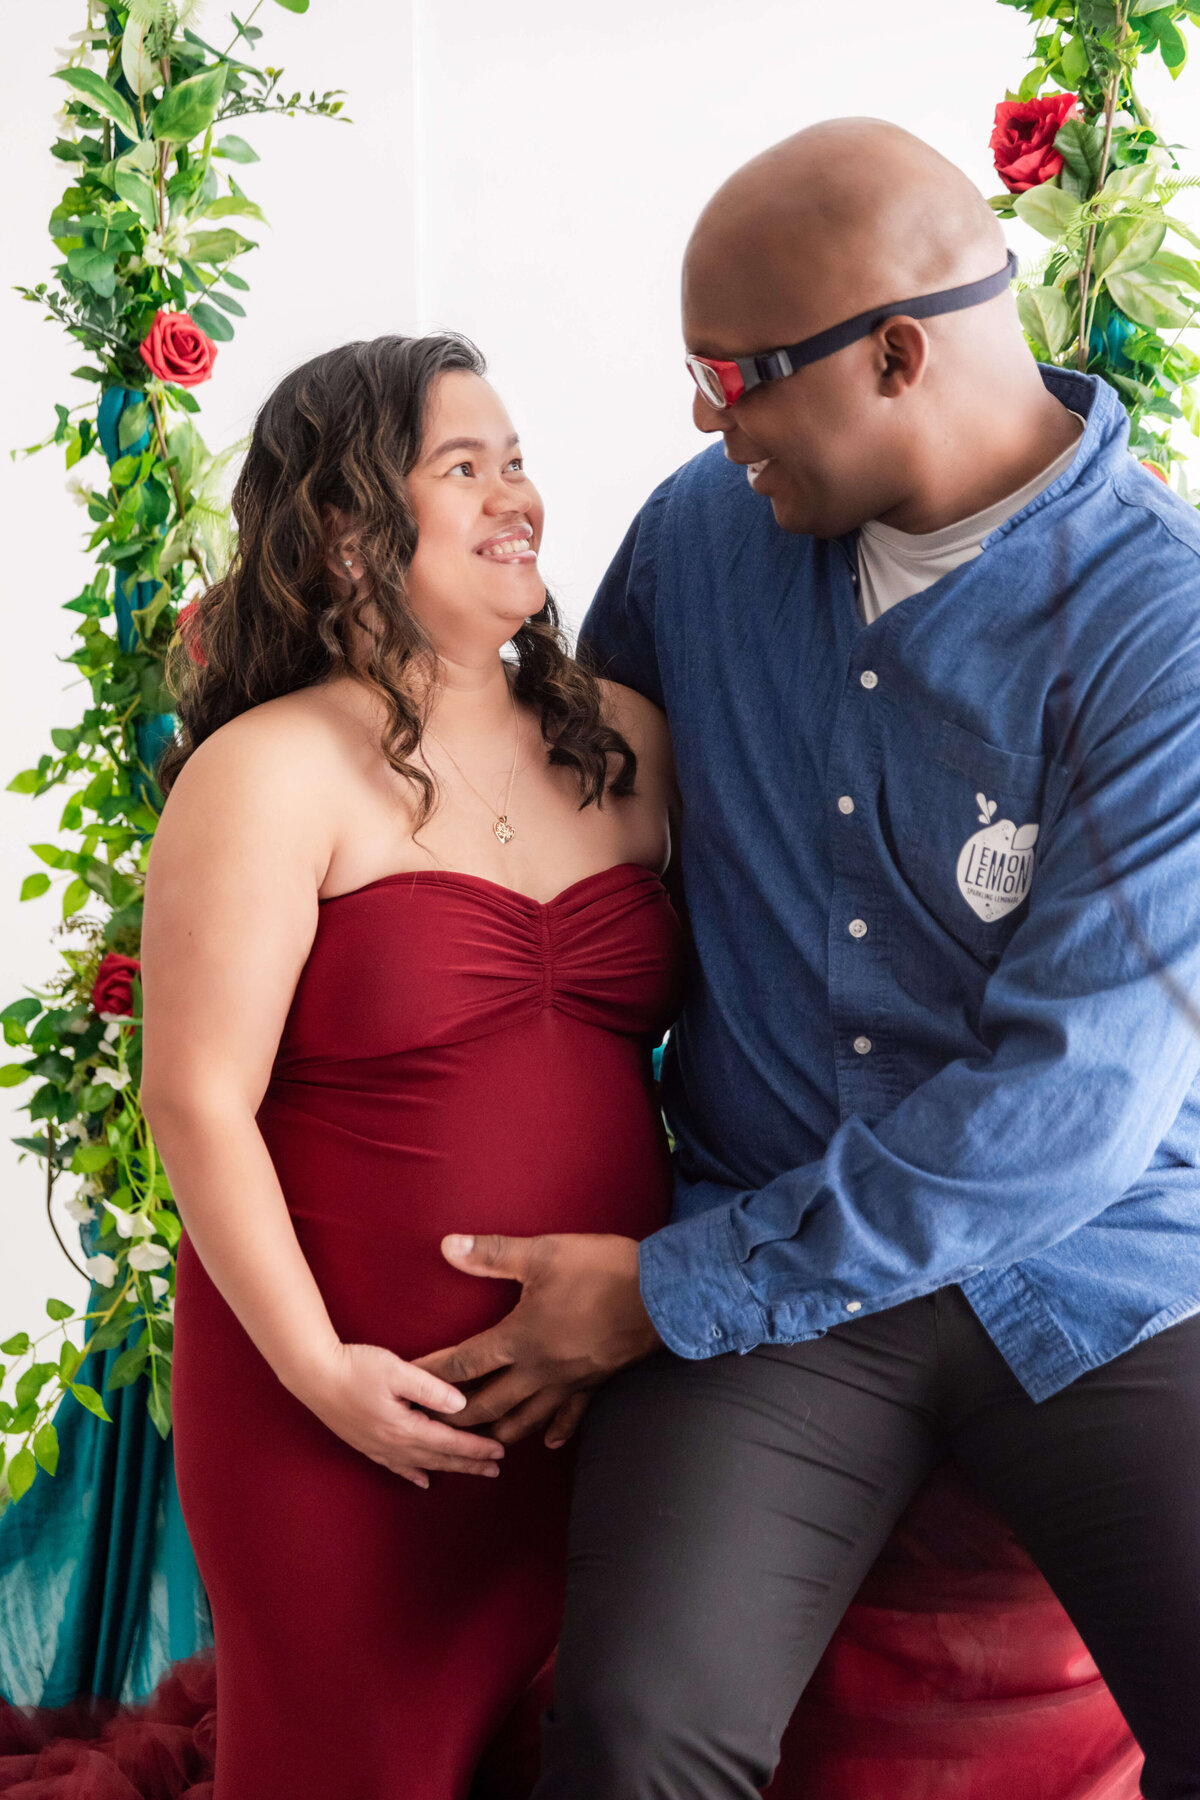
(844, 215)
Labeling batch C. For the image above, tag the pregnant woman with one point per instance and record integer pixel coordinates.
(406, 953)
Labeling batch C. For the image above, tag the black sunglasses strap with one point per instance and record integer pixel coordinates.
(924, 306)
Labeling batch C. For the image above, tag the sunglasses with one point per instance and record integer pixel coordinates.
(721, 382)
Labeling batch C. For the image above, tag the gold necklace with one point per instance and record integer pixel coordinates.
(504, 832)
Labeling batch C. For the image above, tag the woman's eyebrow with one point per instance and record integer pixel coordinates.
(467, 444)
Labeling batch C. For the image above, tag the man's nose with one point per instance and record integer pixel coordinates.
(706, 417)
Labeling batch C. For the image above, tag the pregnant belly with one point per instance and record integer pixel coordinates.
(546, 1128)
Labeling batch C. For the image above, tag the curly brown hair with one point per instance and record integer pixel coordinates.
(343, 431)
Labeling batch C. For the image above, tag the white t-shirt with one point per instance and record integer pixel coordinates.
(894, 564)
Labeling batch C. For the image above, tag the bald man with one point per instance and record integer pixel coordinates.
(928, 640)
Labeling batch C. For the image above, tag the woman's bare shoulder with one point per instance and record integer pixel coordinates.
(264, 784)
(639, 721)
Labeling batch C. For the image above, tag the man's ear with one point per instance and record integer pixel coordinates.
(903, 355)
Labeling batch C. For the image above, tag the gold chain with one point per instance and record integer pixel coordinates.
(503, 831)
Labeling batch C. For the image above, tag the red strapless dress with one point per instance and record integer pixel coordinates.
(456, 1056)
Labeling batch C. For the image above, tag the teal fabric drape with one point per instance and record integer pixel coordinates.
(99, 1590)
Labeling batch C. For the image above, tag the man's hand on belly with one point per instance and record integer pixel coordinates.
(579, 1319)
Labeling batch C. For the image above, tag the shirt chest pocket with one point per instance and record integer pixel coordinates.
(978, 823)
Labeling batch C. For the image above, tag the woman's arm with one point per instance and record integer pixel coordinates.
(231, 911)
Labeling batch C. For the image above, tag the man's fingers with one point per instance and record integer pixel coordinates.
(531, 1414)
(467, 1361)
(505, 1258)
(565, 1422)
(496, 1399)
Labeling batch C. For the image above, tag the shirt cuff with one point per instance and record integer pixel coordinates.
(694, 1289)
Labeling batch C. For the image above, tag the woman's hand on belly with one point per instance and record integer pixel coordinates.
(372, 1399)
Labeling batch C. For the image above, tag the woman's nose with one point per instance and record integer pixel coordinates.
(503, 496)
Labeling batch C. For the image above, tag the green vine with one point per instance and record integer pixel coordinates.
(145, 282)
(1115, 293)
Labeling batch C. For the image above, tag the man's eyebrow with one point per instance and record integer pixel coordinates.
(467, 444)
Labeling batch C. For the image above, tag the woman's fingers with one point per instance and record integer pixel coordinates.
(421, 1437)
(424, 1389)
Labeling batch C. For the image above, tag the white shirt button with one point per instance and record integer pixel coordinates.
(854, 1306)
(858, 928)
(846, 805)
(869, 678)
(863, 1045)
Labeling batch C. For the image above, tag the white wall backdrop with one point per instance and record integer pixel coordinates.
(529, 178)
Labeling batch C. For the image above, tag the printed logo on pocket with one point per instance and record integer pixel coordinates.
(995, 866)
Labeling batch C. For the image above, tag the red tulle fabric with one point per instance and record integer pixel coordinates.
(955, 1675)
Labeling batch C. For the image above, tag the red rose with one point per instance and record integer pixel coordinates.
(1155, 470)
(112, 991)
(1023, 139)
(188, 627)
(176, 350)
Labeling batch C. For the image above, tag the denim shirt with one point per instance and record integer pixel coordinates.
(943, 879)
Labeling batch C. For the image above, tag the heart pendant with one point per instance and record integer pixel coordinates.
(504, 831)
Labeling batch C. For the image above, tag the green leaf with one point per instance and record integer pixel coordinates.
(33, 1381)
(1073, 62)
(34, 885)
(1136, 182)
(137, 192)
(232, 206)
(16, 1345)
(13, 1074)
(296, 6)
(235, 281)
(105, 99)
(213, 322)
(1081, 147)
(127, 1367)
(1049, 211)
(133, 421)
(1165, 263)
(70, 1360)
(59, 1309)
(45, 1447)
(96, 267)
(236, 149)
(159, 1406)
(75, 897)
(227, 303)
(27, 782)
(1147, 302)
(217, 246)
(189, 108)
(1126, 243)
(1140, 7)
(21, 1471)
(89, 1398)
(139, 68)
(88, 1159)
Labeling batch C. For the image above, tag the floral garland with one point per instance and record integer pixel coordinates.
(1087, 167)
(146, 283)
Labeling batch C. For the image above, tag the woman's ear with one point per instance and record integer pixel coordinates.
(342, 558)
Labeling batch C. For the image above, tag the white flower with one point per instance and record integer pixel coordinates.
(116, 1078)
(168, 1311)
(80, 494)
(76, 1128)
(81, 1211)
(101, 1268)
(112, 1030)
(154, 249)
(129, 1224)
(158, 1286)
(89, 1185)
(145, 1257)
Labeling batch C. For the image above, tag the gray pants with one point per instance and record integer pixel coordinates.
(726, 1511)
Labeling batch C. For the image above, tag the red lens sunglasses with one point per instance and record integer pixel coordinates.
(722, 381)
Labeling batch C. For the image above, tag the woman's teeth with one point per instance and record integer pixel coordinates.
(506, 549)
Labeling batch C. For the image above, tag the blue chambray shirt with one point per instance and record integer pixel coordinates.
(943, 876)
